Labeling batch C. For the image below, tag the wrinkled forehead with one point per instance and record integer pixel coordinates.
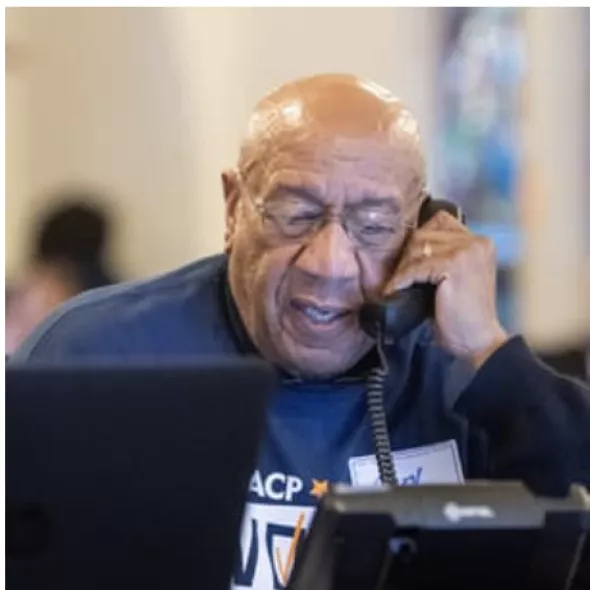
(338, 168)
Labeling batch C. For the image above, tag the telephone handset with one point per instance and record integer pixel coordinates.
(392, 318)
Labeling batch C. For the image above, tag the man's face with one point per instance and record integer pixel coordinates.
(297, 275)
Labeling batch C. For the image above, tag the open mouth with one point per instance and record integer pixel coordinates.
(319, 314)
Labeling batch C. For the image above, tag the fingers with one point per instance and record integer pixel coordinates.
(436, 238)
(432, 244)
(439, 260)
(444, 221)
(431, 251)
(423, 251)
(433, 270)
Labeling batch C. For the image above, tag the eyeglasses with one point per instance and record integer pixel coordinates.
(294, 218)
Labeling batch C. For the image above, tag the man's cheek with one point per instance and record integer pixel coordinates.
(277, 266)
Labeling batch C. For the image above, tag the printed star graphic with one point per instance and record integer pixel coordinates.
(320, 487)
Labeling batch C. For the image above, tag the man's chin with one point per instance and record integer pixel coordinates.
(318, 364)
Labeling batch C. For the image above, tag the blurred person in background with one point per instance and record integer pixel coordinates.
(68, 257)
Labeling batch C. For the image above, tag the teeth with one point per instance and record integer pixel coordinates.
(322, 316)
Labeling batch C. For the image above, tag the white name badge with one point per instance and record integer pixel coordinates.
(430, 464)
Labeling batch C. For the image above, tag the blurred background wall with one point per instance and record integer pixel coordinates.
(96, 98)
(147, 106)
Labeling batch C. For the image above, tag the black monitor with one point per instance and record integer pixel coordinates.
(483, 536)
(130, 477)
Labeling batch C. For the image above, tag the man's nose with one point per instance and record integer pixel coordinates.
(329, 254)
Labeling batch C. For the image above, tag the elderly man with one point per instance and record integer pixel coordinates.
(321, 216)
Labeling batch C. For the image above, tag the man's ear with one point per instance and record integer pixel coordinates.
(231, 194)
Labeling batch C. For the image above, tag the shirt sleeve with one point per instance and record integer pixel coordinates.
(537, 422)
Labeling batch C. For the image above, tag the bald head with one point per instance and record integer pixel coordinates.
(328, 185)
(331, 105)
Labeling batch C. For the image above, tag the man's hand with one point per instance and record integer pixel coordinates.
(445, 253)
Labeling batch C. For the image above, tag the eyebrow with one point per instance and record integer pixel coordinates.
(305, 192)
(373, 202)
(312, 194)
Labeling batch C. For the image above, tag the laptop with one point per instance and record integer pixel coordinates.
(130, 476)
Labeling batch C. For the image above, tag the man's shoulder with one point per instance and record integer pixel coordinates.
(131, 317)
(440, 375)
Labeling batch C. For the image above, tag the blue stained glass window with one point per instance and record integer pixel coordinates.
(481, 79)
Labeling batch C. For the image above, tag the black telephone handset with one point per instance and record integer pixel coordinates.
(388, 321)
(391, 319)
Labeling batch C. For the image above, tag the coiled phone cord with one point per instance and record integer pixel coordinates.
(376, 405)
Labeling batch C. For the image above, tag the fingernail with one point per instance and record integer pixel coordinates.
(402, 285)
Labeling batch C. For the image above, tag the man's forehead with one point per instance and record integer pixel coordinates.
(371, 167)
(320, 185)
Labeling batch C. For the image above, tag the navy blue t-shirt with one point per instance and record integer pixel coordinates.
(514, 419)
